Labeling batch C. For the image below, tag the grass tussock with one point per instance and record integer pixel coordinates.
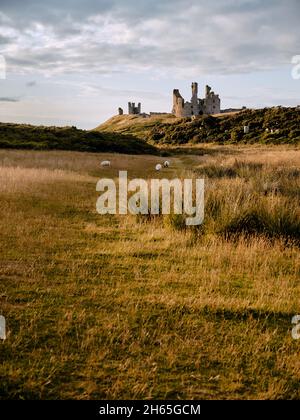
(247, 198)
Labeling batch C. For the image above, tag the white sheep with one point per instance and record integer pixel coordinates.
(166, 164)
(158, 167)
(105, 163)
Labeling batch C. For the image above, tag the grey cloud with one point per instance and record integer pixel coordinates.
(7, 99)
(37, 10)
(179, 36)
(5, 40)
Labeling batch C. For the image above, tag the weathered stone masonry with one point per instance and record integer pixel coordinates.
(211, 104)
(133, 110)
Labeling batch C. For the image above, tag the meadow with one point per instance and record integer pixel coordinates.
(126, 307)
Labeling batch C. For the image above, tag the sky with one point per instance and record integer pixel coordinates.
(74, 62)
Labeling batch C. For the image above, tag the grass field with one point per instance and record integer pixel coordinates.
(118, 307)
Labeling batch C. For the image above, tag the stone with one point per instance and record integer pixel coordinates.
(211, 104)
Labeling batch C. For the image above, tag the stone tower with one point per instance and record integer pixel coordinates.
(134, 110)
(194, 100)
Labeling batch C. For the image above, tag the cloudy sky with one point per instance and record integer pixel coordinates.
(74, 62)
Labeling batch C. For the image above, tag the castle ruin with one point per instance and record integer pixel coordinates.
(211, 104)
(134, 110)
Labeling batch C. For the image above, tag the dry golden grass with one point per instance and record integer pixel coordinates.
(125, 121)
(109, 307)
(135, 124)
(16, 179)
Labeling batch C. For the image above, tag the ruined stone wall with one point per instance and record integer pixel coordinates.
(211, 104)
(178, 104)
(182, 108)
(187, 111)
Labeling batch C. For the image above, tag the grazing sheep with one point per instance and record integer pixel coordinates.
(158, 167)
(105, 163)
(166, 164)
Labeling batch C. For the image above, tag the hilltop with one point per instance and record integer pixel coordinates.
(268, 126)
(137, 125)
(23, 136)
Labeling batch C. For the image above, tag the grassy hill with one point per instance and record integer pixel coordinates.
(134, 134)
(21, 136)
(136, 125)
(268, 126)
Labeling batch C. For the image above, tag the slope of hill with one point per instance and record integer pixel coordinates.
(21, 136)
(269, 125)
(136, 125)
